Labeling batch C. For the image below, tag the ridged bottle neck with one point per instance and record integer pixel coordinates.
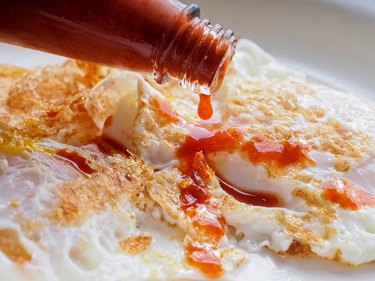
(195, 52)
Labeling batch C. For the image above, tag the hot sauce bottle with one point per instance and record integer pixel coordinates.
(163, 37)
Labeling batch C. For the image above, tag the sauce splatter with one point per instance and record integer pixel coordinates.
(205, 258)
(76, 161)
(262, 150)
(205, 109)
(254, 198)
(201, 139)
(166, 110)
(347, 194)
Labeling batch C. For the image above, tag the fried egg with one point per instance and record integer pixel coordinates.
(106, 175)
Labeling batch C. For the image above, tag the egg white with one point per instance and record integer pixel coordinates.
(354, 233)
(82, 251)
(89, 250)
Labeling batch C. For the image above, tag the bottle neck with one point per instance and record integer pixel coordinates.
(161, 36)
(194, 52)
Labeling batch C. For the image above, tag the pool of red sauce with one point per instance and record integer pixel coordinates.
(75, 160)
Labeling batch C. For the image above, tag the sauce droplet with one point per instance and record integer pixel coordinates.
(76, 161)
(254, 198)
(205, 109)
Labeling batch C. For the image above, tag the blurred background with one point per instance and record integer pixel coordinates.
(333, 40)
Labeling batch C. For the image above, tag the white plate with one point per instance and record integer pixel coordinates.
(332, 40)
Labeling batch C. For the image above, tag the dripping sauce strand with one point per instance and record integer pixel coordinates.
(205, 109)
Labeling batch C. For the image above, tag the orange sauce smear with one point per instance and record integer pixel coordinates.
(76, 161)
(262, 150)
(205, 109)
(205, 258)
(254, 198)
(347, 195)
(195, 200)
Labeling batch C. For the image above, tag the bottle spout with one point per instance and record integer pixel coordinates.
(195, 52)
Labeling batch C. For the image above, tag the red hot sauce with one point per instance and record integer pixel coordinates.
(254, 198)
(197, 204)
(262, 150)
(347, 194)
